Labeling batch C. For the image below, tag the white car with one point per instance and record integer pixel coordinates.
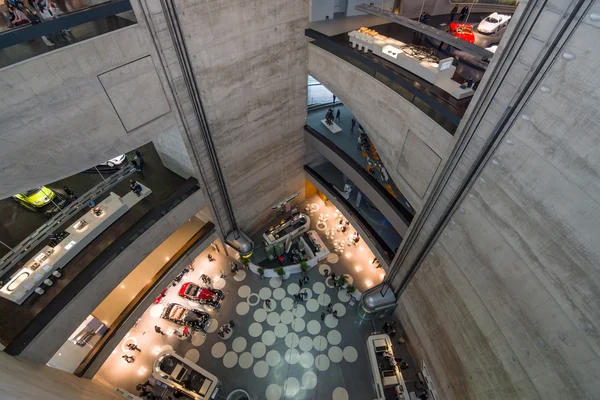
(118, 161)
(493, 23)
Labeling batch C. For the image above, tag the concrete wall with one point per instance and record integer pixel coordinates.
(321, 8)
(410, 143)
(175, 153)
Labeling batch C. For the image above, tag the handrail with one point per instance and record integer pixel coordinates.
(326, 43)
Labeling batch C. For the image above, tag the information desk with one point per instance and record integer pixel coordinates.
(293, 226)
(81, 233)
(388, 380)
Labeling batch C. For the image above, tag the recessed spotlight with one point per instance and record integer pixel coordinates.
(122, 286)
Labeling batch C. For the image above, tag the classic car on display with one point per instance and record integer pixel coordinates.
(493, 23)
(462, 31)
(201, 295)
(185, 316)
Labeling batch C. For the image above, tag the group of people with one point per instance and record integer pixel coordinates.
(464, 12)
(331, 311)
(131, 347)
(226, 329)
(19, 14)
(329, 116)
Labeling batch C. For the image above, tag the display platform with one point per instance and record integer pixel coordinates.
(387, 378)
(334, 128)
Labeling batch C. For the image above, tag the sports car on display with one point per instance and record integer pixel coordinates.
(202, 295)
(185, 316)
(493, 23)
(462, 31)
(116, 162)
(43, 200)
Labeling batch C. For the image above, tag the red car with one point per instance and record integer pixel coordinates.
(202, 295)
(462, 31)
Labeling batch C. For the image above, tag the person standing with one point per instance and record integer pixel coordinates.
(463, 14)
(334, 99)
(453, 13)
(353, 125)
(338, 117)
(69, 193)
(322, 316)
(158, 329)
(140, 158)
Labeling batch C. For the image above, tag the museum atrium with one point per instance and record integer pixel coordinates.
(299, 199)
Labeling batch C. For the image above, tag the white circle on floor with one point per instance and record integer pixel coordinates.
(260, 315)
(324, 299)
(240, 276)
(239, 344)
(242, 308)
(156, 310)
(273, 305)
(275, 282)
(213, 325)
(291, 340)
(292, 356)
(198, 339)
(321, 226)
(343, 296)
(333, 258)
(230, 359)
(291, 387)
(322, 362)
(340, 308)
(306, 343)
(339, 394)
(329, 283)
(334, 337)
(218, 350)
(307, 360)
(281, 330)
(309, 380)
(298, 325)
(246, 360)
(255, 329)
(258, 350)
(313, 327)
(261, 369)
(320, 343)
(286, 317)
(268, 338)
(273, 318)
(169, 347)
(264, 293)
(273, 358)
(331, 321)
(324, 267)
(244, 291)
(273, 392)
(279, 293)
(319, 288)
(350, 354)
(293, 289)
(299, 311)
(193, 355)
(253, 299)
(312, 305)
(219, 283)
(308, 293)
(335, 354)
(287, 304)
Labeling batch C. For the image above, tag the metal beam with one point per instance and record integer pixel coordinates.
(428, 30)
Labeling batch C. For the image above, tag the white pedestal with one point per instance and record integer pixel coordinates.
(333, 127)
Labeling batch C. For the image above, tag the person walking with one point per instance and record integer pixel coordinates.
(385, 327)
(353, 124)
(128, 359)
(334, 99)
(140, 158)
(69, 193)
(305, 279)
(158, 329)
(268, 303)
(322, 316)
(329, 308)
(338, 117)
(453, 13)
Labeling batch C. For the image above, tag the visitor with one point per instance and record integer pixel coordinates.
(353, 124)
(329, 308)
(326, 272)
(300, 282)
(392, 333)
(135, 187)
(135, 165)
(69, 193)
(453, 14)
(158, 329)
(401, 340)
(128, 359)
(305, 279)
(463, 14)
(138, 154)
(338, 116)
(335, 314)
(334, 99)
(268, 303)
(404, 365)
(322, 316)
(211, 258)
(133, 347)
(233, 271)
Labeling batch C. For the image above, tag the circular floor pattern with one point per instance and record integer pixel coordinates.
(292, 356)
(312, 305)
(343, 296)
(218, 350)
(239, 344)
(335, 354)
(299, 311)
(333, 258)
(309, 380)
(213, 325)
(350, 354)
(339, 393)
(331, 321)
(193, 355)
(169, 347)
(292, 340)
(308, 292)
(255, 329)
(293, 289)
(321, 226)
(329, 283)
(279, 294)
(305, 344)
(324, 267)
(242, 308)
(198, 339)
(264, 293)
(334, 337)
(286, 317)
(273, 392)
(307, 360)
(287, 304)
(260, 315)
(268, 338)
(313, 327)
(246, 360)
(281, 330)
(291, 387)
(240, 276)
(253, 299)
(340, 308)
(258, 350)
(230, 359)
(219, 283)
(319, 287)
(273, 318)
(275, 282)
(156, 310)
(273, 305)
(244, 291)
(349, 279)
(322, 362)
(261, 369)
(273, 358)
(324, 299)
(320, 343)
(298, 325)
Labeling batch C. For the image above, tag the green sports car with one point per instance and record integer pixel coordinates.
(41, 199)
